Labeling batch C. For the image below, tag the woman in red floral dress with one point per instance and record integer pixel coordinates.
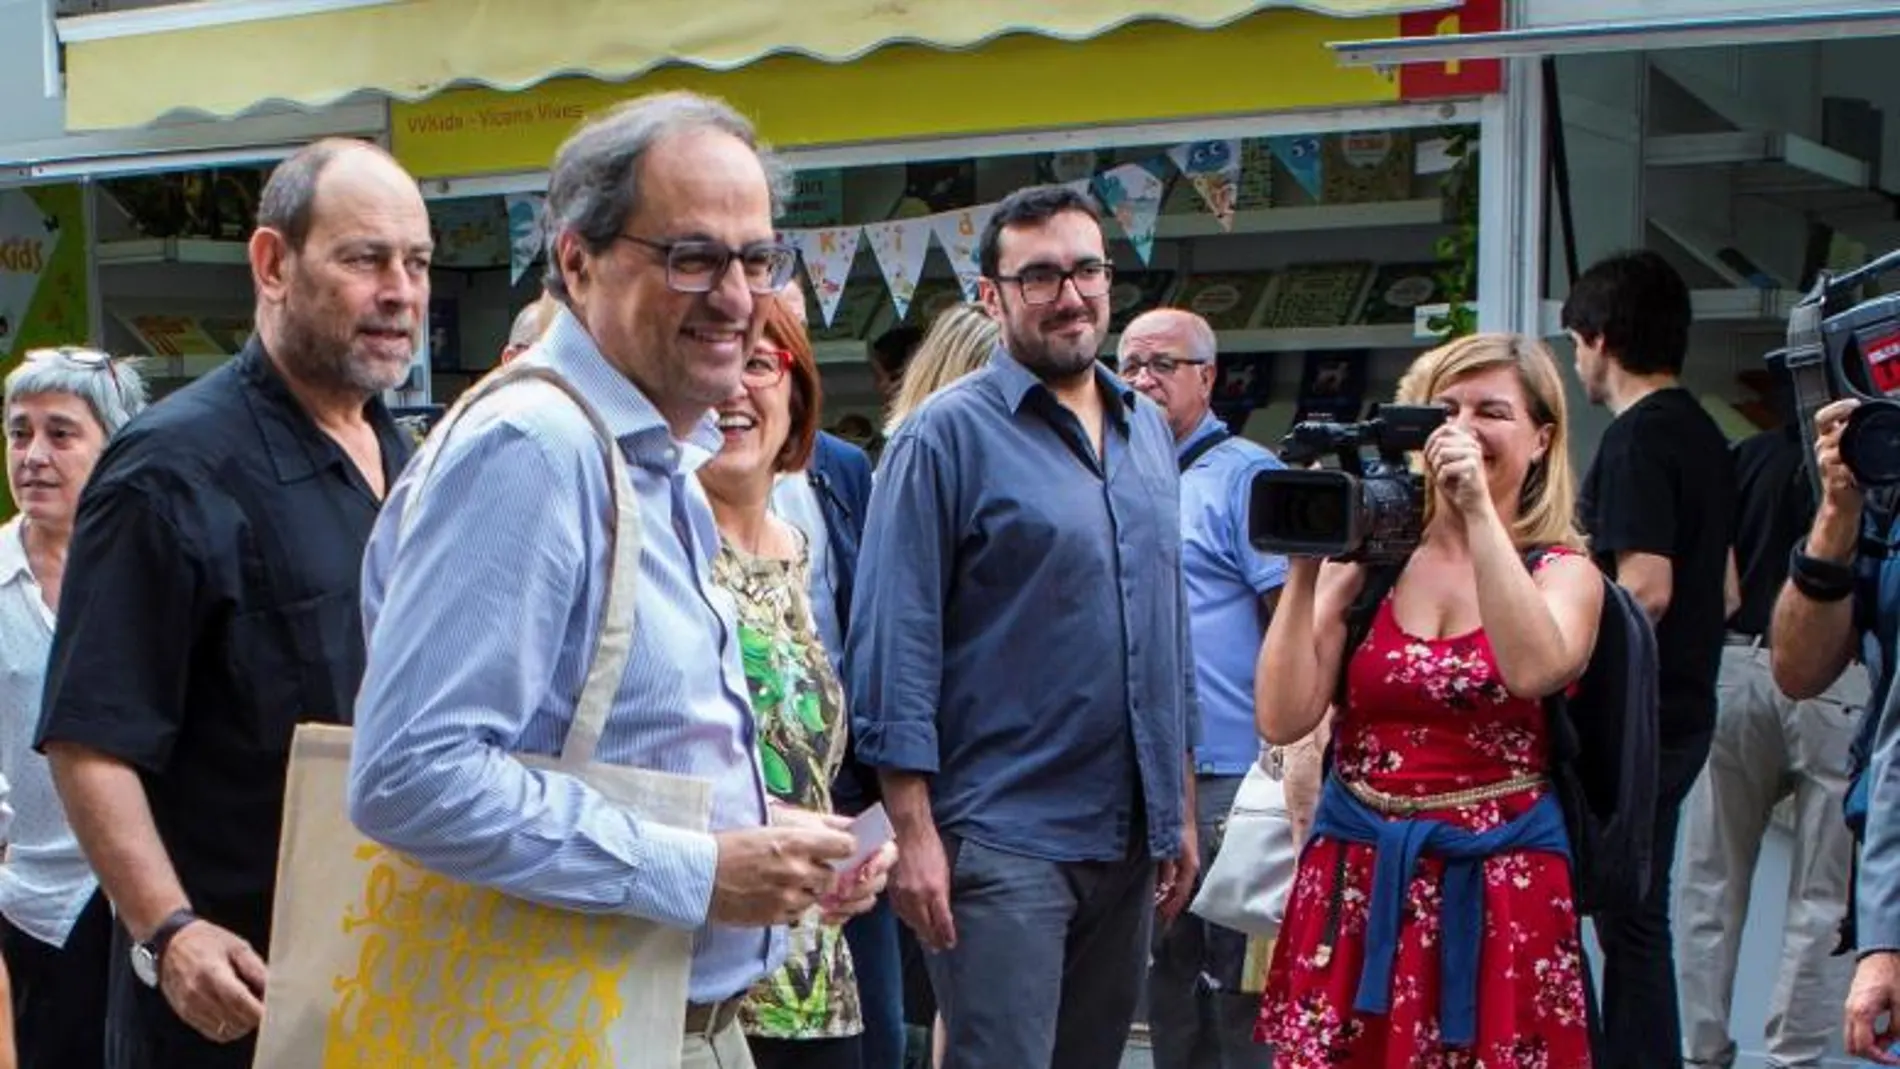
(1440, 749)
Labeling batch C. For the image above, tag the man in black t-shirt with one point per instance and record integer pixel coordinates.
(1657, 504)
(1767, 747)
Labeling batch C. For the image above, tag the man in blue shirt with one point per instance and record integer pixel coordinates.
(1019, 664)
(483, 588)
(1198, 1015)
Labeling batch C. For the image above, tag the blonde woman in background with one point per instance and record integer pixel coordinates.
(960, 341)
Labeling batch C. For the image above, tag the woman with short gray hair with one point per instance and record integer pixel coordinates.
(61, 408)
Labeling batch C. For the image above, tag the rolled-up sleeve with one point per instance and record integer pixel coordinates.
(468, 612)
(895, 665)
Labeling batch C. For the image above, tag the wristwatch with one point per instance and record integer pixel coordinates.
(146, 955)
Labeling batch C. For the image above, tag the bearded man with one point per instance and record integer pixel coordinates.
(211, 602)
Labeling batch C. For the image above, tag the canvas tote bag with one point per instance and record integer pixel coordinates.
(378, 962)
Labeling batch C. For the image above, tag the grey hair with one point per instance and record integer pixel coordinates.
(592, 187)
(114, 397)
(1202, 344)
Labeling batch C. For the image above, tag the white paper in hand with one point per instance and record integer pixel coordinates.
(872, 829)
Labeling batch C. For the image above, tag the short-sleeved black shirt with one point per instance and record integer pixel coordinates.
(209, 606)
(1664, 483)
(1773, 510)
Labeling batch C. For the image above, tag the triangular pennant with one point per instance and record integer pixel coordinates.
(961, 234)
(900, 247)
(827, 252)
(1214, 168)
(1132, 194)
(525, 233)
(1086, 187)
(1299, 154)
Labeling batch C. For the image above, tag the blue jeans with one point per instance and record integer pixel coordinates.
(873, 941)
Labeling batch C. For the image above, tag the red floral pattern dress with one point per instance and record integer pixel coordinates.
(1430, 717)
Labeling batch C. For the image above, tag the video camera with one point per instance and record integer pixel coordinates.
(1838, 350)
(1366, 510)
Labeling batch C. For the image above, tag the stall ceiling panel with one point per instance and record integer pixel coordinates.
(411, 49)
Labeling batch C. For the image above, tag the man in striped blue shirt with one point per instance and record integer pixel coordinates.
(482, 614)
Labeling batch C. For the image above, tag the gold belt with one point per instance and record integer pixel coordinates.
(1400, 805)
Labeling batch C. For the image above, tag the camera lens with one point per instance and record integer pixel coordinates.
(1319, 513)
(1871, 443)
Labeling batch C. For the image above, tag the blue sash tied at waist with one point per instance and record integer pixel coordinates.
(1397, 845)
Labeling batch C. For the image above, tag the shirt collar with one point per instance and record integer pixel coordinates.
(298, 449)
(13, 563)
(630, 417)
(1018, 383)
(1210, 424)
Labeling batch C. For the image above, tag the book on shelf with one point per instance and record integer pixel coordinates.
(1227, 300)
(1396, 292)
(1136, 292)
(1315, 295)
(1366, 167)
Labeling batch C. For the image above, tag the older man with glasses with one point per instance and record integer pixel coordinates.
(1199, 1016)
(483, 594)
(1019, 663)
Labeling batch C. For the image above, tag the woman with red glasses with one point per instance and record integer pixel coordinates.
(807, 1013)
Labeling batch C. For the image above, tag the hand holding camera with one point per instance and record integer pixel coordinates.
(1455, 461)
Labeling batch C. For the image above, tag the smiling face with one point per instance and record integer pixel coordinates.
(756, 420)
(1058, 340)
(350, 304)
(1492, 405)
(684, 350)
(53, 442)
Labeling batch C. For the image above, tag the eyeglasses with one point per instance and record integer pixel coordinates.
(697, 266)
(1043, 285)
(766, 367)
(91, 359)
(1157, 366)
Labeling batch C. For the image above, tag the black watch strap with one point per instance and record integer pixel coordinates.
(170, 926)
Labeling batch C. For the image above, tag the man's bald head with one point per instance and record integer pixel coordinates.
(1182, 342)
(288, 204)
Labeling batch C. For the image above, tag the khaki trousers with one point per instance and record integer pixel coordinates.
(724, 1049)
(1767, 749)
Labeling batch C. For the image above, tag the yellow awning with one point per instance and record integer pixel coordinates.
(410, 49)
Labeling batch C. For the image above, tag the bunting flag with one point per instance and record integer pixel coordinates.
(526, 233)
(1132, 194)
(1299, 154)
(900, 247)
(828, 253)
(1214, 168)
(1086, 187)
(960, 233)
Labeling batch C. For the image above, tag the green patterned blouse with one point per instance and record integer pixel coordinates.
(799, 707)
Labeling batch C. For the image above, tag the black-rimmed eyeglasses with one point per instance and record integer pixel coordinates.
(1043, 285)
(697, 266)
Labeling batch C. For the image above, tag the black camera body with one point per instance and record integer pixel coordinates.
(1370, 511)
(1837, 350)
